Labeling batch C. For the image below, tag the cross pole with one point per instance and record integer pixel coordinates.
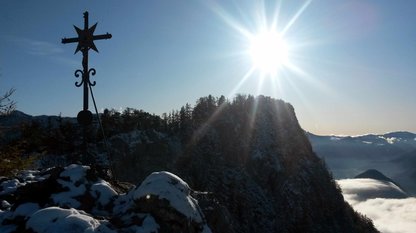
(85, 42)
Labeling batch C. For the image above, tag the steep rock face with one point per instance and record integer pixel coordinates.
(256, 164)
(261, 167)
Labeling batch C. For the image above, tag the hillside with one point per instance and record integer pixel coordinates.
(249, 160)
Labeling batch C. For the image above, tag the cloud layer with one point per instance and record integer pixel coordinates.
(383, 202)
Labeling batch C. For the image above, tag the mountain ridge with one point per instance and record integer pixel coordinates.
(392, 153)
(258, 166)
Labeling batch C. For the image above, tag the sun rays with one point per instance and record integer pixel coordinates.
(268, 45)
(271, 53)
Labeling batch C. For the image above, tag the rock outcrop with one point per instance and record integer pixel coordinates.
(75, 199)
(260, 167)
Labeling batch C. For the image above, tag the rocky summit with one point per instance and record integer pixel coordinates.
(249, 163)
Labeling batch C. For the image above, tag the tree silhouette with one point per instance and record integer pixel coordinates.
(7, 105)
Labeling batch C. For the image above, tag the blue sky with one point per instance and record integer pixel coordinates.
(355, 60)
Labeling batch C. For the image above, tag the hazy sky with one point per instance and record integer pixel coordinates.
(353, 63)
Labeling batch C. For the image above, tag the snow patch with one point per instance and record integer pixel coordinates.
(102, 192)
(9, 186)
(5, 205)
(67, 198)
(166, 185)
(55, 219)
(75, 172)
(75, 185)
(389, 140)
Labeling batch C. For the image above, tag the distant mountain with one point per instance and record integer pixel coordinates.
(254, 171)
(369, 185)
(376, 175)
(373, 174)
(401, 135)
(11, 124)
(384, 144)
(17, 118)
(361, 189)
(347, 155)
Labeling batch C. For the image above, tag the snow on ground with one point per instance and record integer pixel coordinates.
(9, 186)
(55, 219)
(102, 192)
(73, 199)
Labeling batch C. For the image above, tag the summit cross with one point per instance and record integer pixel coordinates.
(85, 42)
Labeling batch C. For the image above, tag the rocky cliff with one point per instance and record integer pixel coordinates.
(256, 165)
(251, 166)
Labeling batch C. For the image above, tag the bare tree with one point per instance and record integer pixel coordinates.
(7, 105)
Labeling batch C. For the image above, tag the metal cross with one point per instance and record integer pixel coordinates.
(85, 41)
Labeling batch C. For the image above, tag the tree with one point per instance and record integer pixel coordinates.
(129, 119)
(222, 100)
(203, 110)
(6, 104)
(185, 119)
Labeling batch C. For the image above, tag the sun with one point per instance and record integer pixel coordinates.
(269, 52)
(269, 46)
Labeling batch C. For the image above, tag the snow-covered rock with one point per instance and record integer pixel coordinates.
(75, 199)
(55, 219)
(169, 187)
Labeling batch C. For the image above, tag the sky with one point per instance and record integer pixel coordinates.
(351, 71)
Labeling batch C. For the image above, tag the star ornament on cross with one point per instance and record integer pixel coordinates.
(85, 42)
(86, 36)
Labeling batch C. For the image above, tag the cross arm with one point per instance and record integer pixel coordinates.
(69, 40)
(102, 37)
